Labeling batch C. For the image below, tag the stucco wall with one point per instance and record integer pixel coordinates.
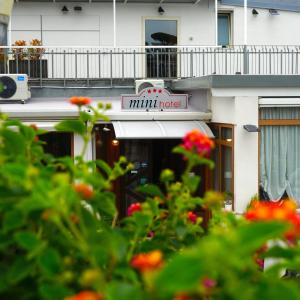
(195, 23)
(240, 111)
(264, 28)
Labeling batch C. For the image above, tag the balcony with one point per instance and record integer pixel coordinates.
(112, 67)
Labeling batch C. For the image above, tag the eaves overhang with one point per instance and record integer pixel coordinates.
(236, 81)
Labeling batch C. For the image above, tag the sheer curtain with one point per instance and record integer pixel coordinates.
(280, 155)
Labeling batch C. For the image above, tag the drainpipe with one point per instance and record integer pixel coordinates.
(5, 13)
(246, 56)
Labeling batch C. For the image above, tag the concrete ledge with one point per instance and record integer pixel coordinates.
(235, 81)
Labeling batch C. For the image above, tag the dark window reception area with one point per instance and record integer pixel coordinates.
(149, 157)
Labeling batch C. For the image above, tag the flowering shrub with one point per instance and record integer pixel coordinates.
(61, 238)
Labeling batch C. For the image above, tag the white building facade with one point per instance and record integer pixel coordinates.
(237, 64)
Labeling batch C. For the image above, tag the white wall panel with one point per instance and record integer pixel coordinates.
(71, 38)
(71, 22)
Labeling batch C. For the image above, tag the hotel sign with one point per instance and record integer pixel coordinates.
(155, 99)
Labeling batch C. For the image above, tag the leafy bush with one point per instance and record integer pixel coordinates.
(60, 236)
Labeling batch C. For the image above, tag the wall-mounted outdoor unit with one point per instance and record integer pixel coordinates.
(145, 83)
(14, 87)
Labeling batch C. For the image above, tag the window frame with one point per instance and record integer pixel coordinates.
(219, 144)
(229, 14)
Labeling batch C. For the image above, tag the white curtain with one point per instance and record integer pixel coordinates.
(280, 155)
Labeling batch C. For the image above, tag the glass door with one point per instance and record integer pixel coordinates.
(161, 62)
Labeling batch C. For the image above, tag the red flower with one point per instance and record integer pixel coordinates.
(147, 261)
(85, 295)
(198, 142)
(84, 190)
(133, 208)
(192, 217)
(80, 100)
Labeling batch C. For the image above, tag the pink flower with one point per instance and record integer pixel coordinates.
(134, 207)
(208, 283)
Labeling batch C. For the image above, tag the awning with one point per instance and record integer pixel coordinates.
(279, 102)
(157, 129)
(47, 125)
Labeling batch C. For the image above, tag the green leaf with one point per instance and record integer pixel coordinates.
(124, 291)
(54, 291)
(84, 116)
(12, 220)
(5, 241)
(192, 182)
(71, 126)
(50, 262)
(279, 252)
(151, 190)
(254, 235)
(20, 269)
(141, 219)
(106, 204)
(27, 240)
(27, 132)
(104, 166)
(181, 274)
(278, 290)
(14, 143)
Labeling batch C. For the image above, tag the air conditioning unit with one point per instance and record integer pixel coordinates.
(14, 87)
(145, 83)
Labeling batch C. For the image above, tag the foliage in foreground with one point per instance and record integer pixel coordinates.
(60, 236)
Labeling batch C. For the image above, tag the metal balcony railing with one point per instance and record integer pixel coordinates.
(65, 64)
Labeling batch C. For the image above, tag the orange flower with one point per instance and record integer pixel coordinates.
(76, 100)
(279, 211)
(84, 190)
(74, 218)
(147, 261)
(182, 296)
(85, 295)
(198, 142)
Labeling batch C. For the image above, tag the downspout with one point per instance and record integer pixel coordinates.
(5, 13)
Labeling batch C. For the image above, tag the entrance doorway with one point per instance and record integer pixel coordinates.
(161, 62)
(149, 157)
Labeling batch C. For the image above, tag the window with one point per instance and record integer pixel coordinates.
(224, 29)
(223, 158)
(58, 144)
(161, 62)
(280, 153)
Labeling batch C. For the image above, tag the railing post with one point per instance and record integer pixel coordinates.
(87, 67)
(28, 67)
(134, 62)
(76, 64)
(64, 64)
(246, 60)
(179, 64)
(111, 69)
(215, 62)
(41, 70)
(169, 64)
(191, 63)
(99, 58)
(52, 63)
(157, 64)
(122, 64)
